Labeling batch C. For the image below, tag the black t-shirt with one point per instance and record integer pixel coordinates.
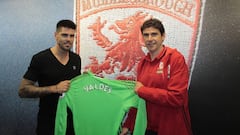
(47, 70)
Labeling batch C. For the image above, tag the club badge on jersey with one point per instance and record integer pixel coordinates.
(160, 69)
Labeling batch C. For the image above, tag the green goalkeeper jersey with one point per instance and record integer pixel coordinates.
(98, 106)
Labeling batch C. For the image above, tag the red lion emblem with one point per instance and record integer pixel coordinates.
(123, 55)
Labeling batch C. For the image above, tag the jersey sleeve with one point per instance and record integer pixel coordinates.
(137, 119)
(61, 118)
(141, 119)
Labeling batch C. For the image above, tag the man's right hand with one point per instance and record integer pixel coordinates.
(124, 131)
(62, 86)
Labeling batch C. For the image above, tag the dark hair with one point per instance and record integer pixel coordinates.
(66, 23)
(155, 23)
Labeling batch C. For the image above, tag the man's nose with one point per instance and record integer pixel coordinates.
(149, 37)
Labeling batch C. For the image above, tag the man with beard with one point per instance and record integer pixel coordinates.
(49, 75)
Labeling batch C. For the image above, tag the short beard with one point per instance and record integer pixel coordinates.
(63, 48)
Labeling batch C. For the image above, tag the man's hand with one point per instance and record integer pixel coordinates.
(138, 85)
(62, 86)
(124, 131)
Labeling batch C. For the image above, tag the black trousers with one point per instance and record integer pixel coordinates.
(46, 124)
(149, 132)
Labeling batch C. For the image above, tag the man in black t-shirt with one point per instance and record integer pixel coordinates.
(52, 69)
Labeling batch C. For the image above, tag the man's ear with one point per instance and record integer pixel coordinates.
(163, 37)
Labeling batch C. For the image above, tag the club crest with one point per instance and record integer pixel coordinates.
(109, 38)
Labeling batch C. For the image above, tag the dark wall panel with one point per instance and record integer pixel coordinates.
(214, 90)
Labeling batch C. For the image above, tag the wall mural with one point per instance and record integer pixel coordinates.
(109, 38)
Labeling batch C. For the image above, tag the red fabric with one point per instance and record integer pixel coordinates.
(165, 93)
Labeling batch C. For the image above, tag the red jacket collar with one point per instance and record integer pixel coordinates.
(160, 55)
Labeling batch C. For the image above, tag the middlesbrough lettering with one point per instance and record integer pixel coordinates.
(181, 7)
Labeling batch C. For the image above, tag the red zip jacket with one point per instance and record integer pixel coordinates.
(165, 81)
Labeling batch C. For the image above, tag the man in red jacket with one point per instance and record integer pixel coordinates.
(162, 80)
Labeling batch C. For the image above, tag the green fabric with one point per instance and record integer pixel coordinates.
(99, 105)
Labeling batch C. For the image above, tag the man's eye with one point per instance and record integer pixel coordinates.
(154, 34)
(145, 35)
(64, 35)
